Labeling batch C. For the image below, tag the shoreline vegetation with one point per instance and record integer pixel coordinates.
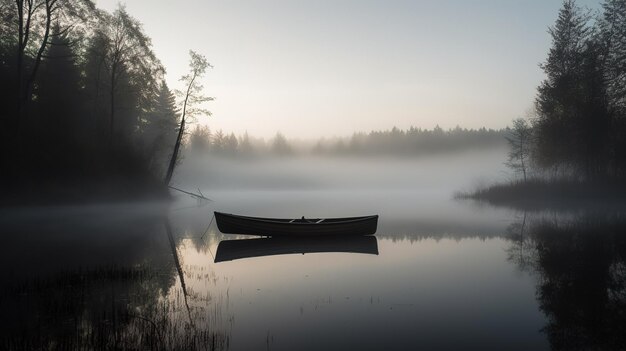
(538, 194)
(571, 151)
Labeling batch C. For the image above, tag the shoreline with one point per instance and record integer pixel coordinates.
(540, 194)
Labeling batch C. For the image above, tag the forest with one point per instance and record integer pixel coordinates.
(579, 125)
(572, 150)
(84, 99)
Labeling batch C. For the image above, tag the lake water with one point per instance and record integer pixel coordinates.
(440, 274)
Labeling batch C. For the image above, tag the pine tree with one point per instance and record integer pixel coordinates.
(219, 141)
(200, 139)
(572, 121)
(165, 116)
(613, 32)
(232, 144)
(280, 146)
(162, 127)
(57, 126)
(245, 146)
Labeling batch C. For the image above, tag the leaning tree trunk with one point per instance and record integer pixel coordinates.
(179, 138)
(172, 165)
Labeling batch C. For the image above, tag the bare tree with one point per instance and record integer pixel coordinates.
(519, 140)
(193, 99)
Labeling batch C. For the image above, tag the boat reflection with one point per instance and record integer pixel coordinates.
(229, 250)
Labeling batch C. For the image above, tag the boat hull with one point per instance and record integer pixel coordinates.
(235, 224)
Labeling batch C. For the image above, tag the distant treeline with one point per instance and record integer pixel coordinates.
(414, 141)
(82, 95)
(411, 142)
(579, 126)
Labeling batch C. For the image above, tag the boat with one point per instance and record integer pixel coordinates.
(237, 224)
(229, 250)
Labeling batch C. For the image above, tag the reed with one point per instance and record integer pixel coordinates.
(102, 309)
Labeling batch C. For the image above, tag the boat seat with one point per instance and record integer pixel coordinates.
(305, 220)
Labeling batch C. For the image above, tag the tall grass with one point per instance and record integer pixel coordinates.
(105, 309)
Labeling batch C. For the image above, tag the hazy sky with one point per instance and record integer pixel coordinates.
(331, 67)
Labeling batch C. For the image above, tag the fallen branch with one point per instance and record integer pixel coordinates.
(198, 196)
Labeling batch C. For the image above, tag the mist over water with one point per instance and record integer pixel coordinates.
(449, 170)
(441, 274)
(409, 193)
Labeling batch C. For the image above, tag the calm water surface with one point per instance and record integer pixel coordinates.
(440, 274)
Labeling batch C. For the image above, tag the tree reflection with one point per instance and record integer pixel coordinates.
(581, 264)
(521, 250)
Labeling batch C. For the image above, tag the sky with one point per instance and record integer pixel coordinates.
(327, 68)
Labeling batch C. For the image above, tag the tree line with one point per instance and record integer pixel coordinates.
(202, 140)
(579, 126)
(83, 95)
(393, 142)
(413, 141)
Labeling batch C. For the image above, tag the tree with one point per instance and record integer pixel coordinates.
(554, 100)
(572, 121)
(123, 53)
(613, 33)
(593, 124)
(245, 146)
(219, 142)
(193, 98)
(160, 129)
(200, 139)
(27, 13)
(232, 144)
(28, 31)
(280, 146)
(57, 105)
(519, 140)
(8, 84)
(34, 20)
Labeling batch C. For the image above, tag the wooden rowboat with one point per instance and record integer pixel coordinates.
(236, 224)
(229, 250)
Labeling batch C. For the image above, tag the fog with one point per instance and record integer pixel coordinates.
(411, 195)
(441, 172)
